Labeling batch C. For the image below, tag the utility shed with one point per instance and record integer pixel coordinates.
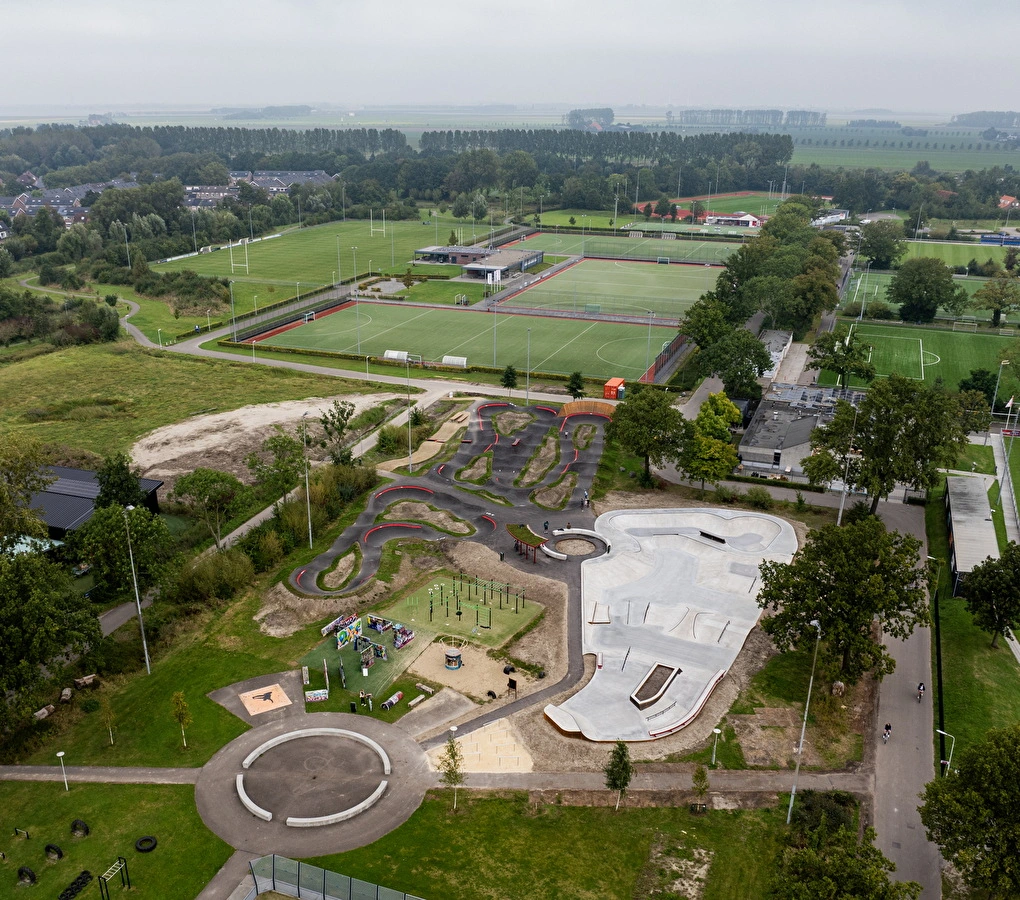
(971, 530)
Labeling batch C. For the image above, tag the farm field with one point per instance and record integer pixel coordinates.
(925, 353)
(558, 346)
(630, 247)
(627, 288)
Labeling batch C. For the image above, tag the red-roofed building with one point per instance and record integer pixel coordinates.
(1007, 202)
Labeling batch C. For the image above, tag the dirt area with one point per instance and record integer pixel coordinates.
(539, 464)
(478, 468)
(583, 435)
(509, 422)
(675, 870)
(223, 440)
(479, 674)
(555, 496)
(282, 613)
(413, 511)
(341, 571)
(575, 547)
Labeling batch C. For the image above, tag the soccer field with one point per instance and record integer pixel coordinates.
(954, 254)
(926, 354)
(686, 248)
(873, 286)
(624, 288)
(558, 346)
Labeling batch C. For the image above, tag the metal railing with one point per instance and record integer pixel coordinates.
(294, 878)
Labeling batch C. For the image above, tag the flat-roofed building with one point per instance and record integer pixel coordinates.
(972, 537)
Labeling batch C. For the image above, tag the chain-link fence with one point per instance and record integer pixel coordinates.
(297, 879)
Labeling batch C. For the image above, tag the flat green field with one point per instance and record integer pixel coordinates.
(685, 248)
(310, 257)
(628, 288)
(874, 285)
(888, 158)
(927, 354)
(597, 349)
(953, 254)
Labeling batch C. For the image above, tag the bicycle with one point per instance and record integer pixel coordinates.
(920, 692)
(887, 733)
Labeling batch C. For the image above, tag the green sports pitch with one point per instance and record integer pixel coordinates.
(559, 346)
(601, 286)
(686, 248)
(926, 354)
(954, 253)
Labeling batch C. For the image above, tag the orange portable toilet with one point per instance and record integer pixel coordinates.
(613, 389)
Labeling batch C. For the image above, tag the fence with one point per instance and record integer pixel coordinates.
(293, 878)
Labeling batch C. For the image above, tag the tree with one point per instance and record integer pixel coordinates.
(119, 485)
(278, 473)
(21, 476)
(905, 432)
(619, 770)
(181, 713)
(450, 767)
(102, 542)
(990, 591)
(647, 424)
(211, 495)
(699, 781)
(974, 816)
(739, 359)
(846, 578)
(922, 286)
(1000, 294)
(843, 353)
(335, 422)
(705, 322)
(883, 242)
(710, 455)
(575, 385)
(981, 380)
(509, 379)
(42, 617)
(839, 865)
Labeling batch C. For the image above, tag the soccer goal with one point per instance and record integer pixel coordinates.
(593, 309)
(964, 326)
(662, 260)
(309, 317)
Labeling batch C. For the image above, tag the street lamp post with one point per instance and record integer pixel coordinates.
(354, 252)
(948, 762)
(134, 579)
(339, 272)
(63, 771)
(846, 470)
(995, 396)
(527, 377)
(233, 315)
(716, 732)
(208, 320)
(803, 727)
(407, 372)
(308, 496)
(159, 337)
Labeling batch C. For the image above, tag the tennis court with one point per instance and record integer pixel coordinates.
(557, 345)
(597, 286)
(635, 245)
(926, 353)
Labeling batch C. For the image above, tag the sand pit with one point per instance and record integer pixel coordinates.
(223, 440)
(479, 674)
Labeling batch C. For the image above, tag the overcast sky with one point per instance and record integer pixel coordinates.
(905, 55)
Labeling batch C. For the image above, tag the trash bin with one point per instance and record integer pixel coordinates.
(501, 556)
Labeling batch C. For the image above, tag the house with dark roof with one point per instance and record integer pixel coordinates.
(70, 499)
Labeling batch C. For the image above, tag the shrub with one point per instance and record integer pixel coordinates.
(215, 577)
(725, 494)
(759, 498)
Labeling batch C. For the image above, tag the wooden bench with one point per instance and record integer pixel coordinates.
(425, 689)
(411, 704)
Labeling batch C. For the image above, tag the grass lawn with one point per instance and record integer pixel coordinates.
(312, 256)
(925, 353)
(981, 685)
(186, 857)
(875, 284)
(558, 346)
(502, 847)
(627, 288)
(689, 247)
(958, 160)
(953, 254)
(444, 291)
(130, 391)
